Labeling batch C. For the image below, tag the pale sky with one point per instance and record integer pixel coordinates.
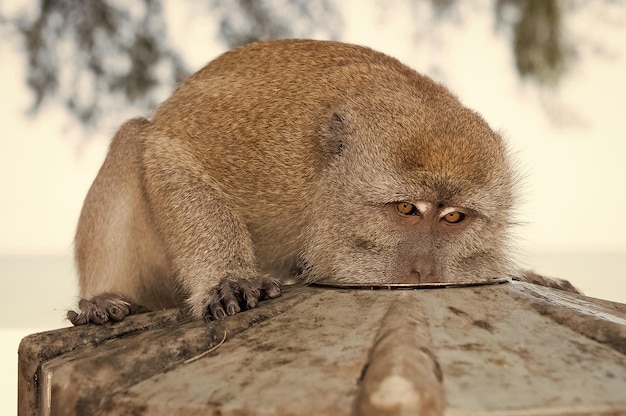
(574, 173)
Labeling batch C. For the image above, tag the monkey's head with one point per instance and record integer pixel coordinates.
(417, 188)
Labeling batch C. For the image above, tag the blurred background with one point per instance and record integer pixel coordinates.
(548, 74)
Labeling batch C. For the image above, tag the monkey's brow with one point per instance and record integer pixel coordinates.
(404, 196)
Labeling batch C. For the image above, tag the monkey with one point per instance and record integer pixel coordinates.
(319, 160)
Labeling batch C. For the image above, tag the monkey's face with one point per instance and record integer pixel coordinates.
(404, 241)
(431, 225)
(413, 199)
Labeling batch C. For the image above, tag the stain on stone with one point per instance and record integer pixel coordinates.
(262, 347)
(580, 346)
(457, 369)
(317, 361)
(278, 362)
(500, 362)
(483, 325)
(215, 405)
(472, 346)
(522, 352)
(456, 311)
(291, 349)
(436, 365)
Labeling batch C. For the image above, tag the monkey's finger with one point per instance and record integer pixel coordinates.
(216, 311)
(117, 313)
(270, 289)
(93, 312)
(135, 309)
(114, 307)
(76, 318)
(250, 293)
(228, 297)
(214, 308)
(99, 316)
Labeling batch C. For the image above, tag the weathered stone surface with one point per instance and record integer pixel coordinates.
(507, 349)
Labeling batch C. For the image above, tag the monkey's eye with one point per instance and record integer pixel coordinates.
(405, 208)
(453, 217)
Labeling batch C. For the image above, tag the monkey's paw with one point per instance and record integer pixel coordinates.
(101, 309)
(531, 277)
(230, 296)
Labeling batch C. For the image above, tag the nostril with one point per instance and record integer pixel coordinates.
(411, 277)
(418, 270)
(416, 275)
(424, 269)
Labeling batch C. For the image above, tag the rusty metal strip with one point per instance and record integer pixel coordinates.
(402, 375)
(404, 286)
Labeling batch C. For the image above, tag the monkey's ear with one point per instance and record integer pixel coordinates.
(333, 134)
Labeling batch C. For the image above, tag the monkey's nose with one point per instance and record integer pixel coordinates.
(422, 270)
(414, 277)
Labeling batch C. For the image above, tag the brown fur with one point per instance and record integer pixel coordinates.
(289, 157)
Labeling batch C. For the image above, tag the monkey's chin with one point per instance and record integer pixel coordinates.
(390, 286)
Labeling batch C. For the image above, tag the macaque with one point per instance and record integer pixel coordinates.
(317, 160)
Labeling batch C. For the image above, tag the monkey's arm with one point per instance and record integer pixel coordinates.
(209, 245)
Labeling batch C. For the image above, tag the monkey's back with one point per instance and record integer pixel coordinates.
(254, 115)
(251, 124)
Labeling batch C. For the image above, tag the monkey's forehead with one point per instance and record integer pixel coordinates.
(479, 162)
(461, 148)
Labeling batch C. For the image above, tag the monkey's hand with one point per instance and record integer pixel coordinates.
(562, 284)
(103, 308)
(230, 296)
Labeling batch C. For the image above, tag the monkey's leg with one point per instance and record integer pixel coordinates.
(120, 259)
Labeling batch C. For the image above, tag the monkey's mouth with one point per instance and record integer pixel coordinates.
(429, 285)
